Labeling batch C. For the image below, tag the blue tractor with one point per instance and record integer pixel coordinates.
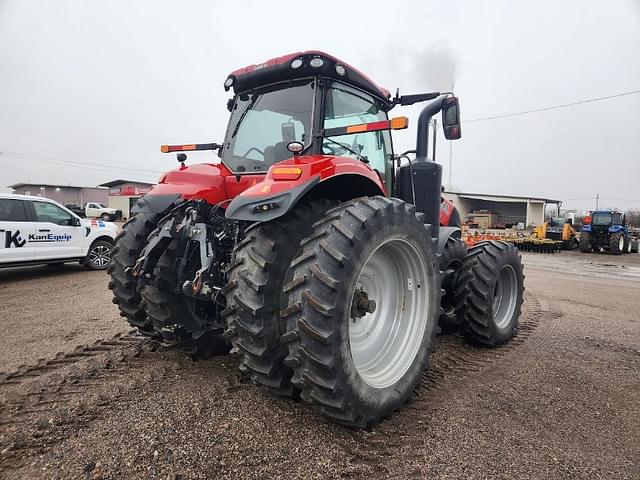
(607, 230)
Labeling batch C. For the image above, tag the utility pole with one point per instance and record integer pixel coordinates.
(597, 200)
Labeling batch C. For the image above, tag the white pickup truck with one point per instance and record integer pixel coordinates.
(98, 210)
(35, 230)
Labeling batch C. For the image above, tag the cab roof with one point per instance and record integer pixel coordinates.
(301, 65)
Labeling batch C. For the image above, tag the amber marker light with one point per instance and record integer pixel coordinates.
(286, 173)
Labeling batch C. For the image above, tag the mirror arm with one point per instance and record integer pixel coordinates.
(406, 100)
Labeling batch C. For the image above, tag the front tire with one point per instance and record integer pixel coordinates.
(99, 255)
(364, 300)
(489, 293)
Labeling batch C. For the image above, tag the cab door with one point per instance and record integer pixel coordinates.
(15, 229)
(56, 232)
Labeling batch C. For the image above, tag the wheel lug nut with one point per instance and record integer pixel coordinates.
(366, 305)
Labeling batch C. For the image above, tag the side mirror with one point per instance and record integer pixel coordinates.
(451, 118)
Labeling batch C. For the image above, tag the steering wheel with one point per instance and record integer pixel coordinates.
(250, 150)
(335, 149)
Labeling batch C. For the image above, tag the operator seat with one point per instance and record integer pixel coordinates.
(276, 153)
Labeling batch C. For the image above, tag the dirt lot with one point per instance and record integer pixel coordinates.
(83, 398)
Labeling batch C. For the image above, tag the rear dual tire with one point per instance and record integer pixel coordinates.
(166, 306)
(489, 293)
(358, 366)
(451, 259)
(254, 294)
(128, 246)
(616, 243)
(585, 242)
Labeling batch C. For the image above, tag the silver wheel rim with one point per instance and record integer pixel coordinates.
(621, 244)
(100, 255)
(385, 342)
(505, 294)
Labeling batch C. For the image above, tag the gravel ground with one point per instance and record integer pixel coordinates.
(82, 398)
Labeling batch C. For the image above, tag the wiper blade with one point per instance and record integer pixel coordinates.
(244, 114)
(360, 157)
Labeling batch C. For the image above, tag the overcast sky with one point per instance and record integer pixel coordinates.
(89, 90)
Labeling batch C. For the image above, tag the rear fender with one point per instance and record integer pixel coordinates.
(449, 215)
(445, 234)
(586, 228)
(321, 175)
(155, 204)
(616, 228)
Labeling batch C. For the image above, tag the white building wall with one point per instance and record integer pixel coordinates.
(535, 213)
(120, 203)
(508, 208)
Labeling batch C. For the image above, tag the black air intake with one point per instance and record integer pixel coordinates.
(424, 191)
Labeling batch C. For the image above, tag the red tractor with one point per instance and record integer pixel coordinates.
(310, 248)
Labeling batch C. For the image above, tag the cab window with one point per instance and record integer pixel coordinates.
(347, 106)
(264, 122)
(12, 210)
(48, 212)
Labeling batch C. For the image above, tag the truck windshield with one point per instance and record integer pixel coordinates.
(264, 122)
(601, 219)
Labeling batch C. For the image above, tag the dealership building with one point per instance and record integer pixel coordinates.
(119, 194)
(124, 194)
(64, 194)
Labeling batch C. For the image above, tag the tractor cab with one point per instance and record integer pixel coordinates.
(307, 98)
(314, 121)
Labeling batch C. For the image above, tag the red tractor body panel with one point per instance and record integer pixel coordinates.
(211, 182)
(446, 211)
(322, 166)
